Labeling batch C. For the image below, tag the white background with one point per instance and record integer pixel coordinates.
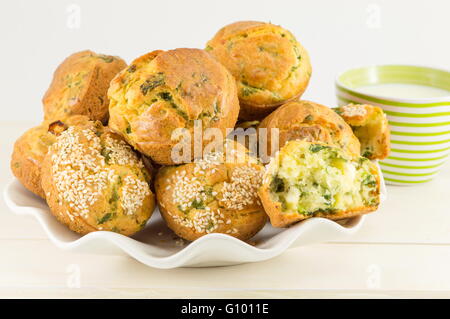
(35, 36)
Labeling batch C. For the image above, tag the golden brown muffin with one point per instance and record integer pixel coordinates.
(309, 121)
(80, 85)
(217, 194)
(307, 180)
(31, 148)
(269, 64)
(163, 91)
(94, 181)
(371, 127)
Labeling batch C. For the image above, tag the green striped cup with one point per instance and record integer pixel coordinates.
(420, 127)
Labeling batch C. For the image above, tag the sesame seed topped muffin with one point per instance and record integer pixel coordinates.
(94, 181)
(80, 85)
(30, 150)
(163, 91)
(216, 194)
(270, 66)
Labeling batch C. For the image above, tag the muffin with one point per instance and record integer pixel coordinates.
(217, 194)
(80, 85)
(307, 180)
(94, 181)
(308, 121)
(370, 125)
(31, 148)
(270, 66)
(163, 93)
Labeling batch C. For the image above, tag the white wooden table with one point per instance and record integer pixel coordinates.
(403, 250)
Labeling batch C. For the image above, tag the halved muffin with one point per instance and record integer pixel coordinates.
(370, 125)
(307, 180)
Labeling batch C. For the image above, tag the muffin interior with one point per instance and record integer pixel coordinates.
(369, 125)
(316, 178)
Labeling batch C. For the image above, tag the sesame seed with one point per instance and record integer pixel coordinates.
(82, 175)
(133, 194)
(192, 194)
(242, 190)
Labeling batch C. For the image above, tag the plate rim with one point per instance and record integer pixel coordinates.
(181, 258)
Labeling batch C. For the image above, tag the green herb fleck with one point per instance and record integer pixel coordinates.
(204, 114)
(247, 91)
(106, 154)
(166, 96)
(152, 82)
(326, 211)
(106, 58)
(208, 190)
(314, 148)
(367, 153)
(369, 180)
(114, 196)
(198, 204)
(309, 118)
(328, 198)
(277, 185)
(216, 108)
(105, 218)
(180, 112)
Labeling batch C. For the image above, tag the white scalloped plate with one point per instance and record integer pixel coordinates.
(156, 245)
